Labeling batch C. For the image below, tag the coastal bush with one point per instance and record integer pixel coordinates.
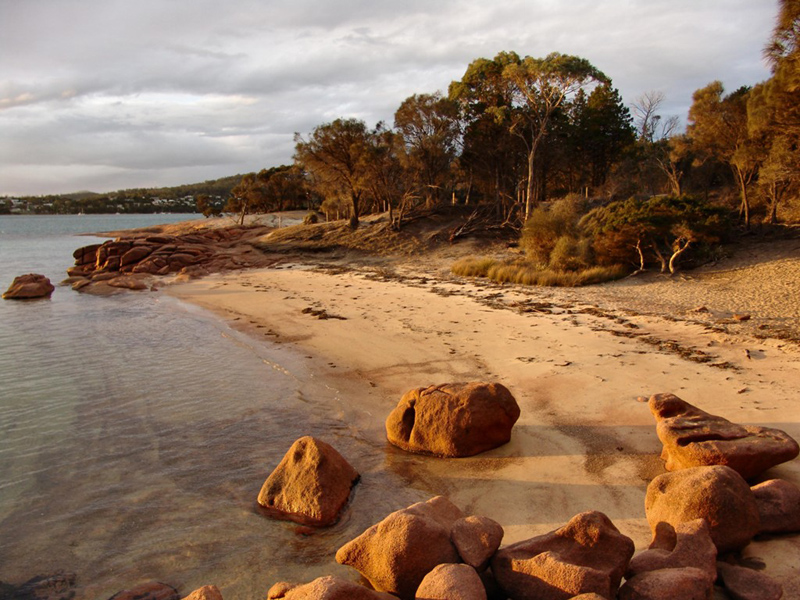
(661, 230)
(571, 254)
(547, 224)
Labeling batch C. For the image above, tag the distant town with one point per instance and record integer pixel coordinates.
(179, 199)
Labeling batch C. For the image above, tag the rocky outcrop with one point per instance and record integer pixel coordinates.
(476, 539)
(195, 254)
(207, 592)
(397, 553)
(747, 584)
(311, 485)
(454, 419)
(29, 286)
(778, 503)
(693, 438)
(325, 588)
(152, 590)
(587, 555)
(451, 582)
(667, 584)
(717, 494)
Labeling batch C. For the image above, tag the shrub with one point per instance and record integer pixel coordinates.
(547, 224)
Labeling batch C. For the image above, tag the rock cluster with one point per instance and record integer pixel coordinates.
(719, 495)
(693, 438)
(127, 262)
(454, 419)
(29, 286)
(311, 485)
(396, 554)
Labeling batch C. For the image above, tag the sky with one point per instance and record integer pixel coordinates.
(103, 95)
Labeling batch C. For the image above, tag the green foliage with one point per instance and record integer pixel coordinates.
(661, 228)
(337, 156)
(547, 224)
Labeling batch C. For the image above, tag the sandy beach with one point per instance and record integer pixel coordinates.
(581, 362)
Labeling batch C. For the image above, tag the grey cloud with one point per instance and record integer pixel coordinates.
(153, 89)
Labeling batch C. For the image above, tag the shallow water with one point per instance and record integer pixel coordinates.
(136, 431)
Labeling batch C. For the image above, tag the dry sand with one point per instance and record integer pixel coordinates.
(577, 360)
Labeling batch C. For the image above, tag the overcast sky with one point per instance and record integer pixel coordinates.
(108, 94)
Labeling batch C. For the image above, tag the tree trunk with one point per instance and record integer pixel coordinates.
(530, 185)
(354, 198)
(673, 260)
(744, 209)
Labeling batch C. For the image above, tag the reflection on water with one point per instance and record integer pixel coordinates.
(135, 434)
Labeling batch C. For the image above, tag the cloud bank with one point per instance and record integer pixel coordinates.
(109, 94)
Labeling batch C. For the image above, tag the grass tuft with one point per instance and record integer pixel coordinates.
(527, 273)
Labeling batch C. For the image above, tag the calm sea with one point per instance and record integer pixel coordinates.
(136, 431)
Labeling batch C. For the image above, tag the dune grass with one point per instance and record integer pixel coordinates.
(527, 273)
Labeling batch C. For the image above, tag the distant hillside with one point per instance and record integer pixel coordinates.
(179, 198)
(214, 187)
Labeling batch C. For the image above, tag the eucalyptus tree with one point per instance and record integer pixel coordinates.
(429, 127)
(491, 157)
(537, 87)
(718, 127)
(337, 155)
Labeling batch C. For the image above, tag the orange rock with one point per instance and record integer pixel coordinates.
(207, 592)
(587, 555)
(476, 539)
(667, 584)
(688, 544)
(135, 255)
(778, 503)
(693, 438)
(454, 419)
(451, 582)
(29, 286)
(311, 485)
(397, 553)
(717, 494)
(325, 588)
(747, 584)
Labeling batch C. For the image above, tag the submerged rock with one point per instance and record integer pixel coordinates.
(311, 485)
(29, 286)
(152, 590)
(693, 438)
(454, 419)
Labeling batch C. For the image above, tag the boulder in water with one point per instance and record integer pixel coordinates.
(29, 286)
(311, 485)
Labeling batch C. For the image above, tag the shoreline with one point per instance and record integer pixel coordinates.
(577, 361)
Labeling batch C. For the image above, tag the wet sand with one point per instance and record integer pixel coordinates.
(579, 362)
